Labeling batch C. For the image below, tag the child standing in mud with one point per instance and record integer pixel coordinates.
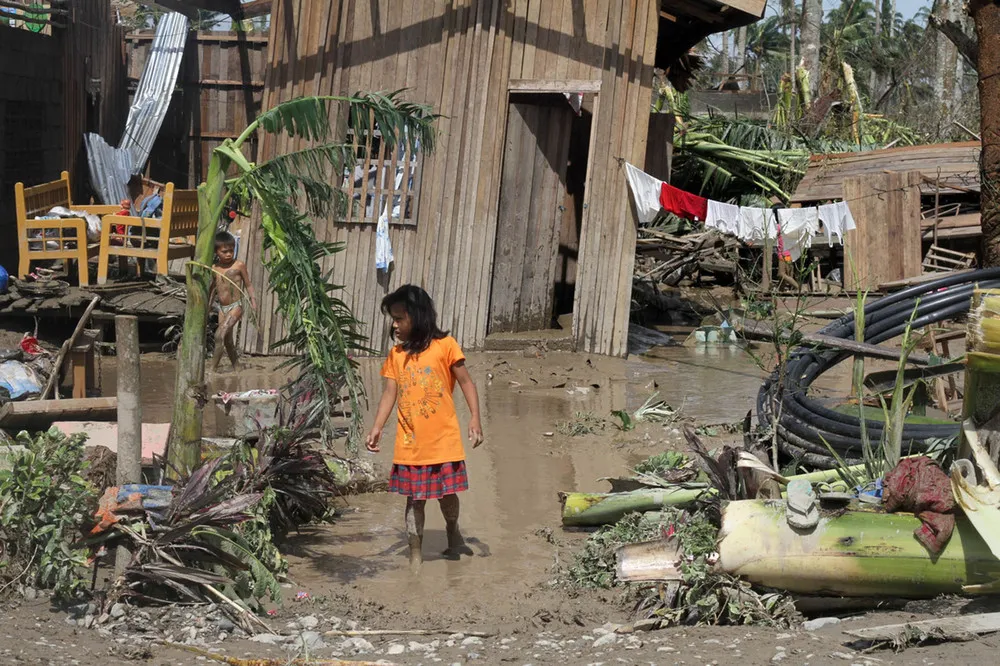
(230, 279)
(429, 459)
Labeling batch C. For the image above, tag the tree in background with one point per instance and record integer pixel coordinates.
(812, 18)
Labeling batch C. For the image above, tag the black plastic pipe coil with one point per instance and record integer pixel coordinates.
(807, 430)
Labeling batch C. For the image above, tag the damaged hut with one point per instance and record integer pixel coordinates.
(519, 223)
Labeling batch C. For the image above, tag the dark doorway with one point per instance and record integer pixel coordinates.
(541, 206)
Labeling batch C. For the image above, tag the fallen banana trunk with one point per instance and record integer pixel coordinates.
(850, 554)
(588, 509)
(591, 509)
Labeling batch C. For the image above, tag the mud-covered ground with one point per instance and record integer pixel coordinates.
(355, 570)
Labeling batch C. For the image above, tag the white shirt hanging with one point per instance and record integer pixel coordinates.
(645, 191)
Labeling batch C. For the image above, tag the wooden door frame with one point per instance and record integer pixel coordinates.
(544, 86)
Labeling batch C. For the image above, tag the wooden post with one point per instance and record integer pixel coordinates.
(129, 469)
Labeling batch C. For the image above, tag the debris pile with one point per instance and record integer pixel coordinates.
(668, 259)
(723, 537)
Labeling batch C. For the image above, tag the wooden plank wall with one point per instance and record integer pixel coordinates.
(213, 105)
(886, 246)
(460, 56)
(94, 89)
(54, 88)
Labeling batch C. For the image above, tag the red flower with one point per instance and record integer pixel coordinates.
(232, 215)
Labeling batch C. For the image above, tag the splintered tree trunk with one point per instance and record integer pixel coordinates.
(986, 16)
(812, 16)
(725, 54)
(741, 49)
(184, 444)
(944, 67)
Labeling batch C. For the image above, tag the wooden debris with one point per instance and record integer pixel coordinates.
(666, 258)
(57, 367)
(41, 414)
(762, 331)
(406, 632)
(959, 628)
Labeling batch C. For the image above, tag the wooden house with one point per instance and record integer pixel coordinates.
(519, 224)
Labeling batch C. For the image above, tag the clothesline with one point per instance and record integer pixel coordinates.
(793, 228)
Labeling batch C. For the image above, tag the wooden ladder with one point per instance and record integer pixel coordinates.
(939, 260)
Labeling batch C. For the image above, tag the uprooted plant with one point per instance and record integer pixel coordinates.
(213, 537)
(700, 594)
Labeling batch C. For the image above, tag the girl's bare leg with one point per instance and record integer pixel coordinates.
(456, 544)
(415, 531)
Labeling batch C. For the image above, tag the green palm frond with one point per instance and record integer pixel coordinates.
(319, 324)
(309, 118)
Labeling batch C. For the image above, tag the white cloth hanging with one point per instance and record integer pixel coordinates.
(756, 224)
(837, 220)
(645, 191)
(798, 227)
(723, 217)
(383, 246)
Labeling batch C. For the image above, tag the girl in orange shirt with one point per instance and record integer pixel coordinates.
(429, 459)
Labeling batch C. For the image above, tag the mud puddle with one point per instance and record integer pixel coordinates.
(157, 376)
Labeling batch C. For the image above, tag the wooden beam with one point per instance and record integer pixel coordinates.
(762, 331)
(190, 7)
(41, 414)
(256, 8)
(553, 86)
(201, 37)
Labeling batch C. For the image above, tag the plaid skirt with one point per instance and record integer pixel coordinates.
(427, 482)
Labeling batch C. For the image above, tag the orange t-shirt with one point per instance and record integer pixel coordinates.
(428, 431)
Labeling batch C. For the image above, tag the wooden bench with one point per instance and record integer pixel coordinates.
(172, 235)
(68, 235)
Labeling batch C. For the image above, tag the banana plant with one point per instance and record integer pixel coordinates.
(290, 190)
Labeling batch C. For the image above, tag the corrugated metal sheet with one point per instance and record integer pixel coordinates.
(110, 168)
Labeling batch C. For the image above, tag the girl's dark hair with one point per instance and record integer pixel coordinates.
(423, 317)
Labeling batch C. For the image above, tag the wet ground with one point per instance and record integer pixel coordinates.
(356, 569)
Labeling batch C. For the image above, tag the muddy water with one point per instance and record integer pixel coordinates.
(157, 376)
(709, 384)
(511, 507)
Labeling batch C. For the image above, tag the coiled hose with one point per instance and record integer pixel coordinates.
(807, 430)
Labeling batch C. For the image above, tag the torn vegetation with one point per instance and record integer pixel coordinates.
(702, 595)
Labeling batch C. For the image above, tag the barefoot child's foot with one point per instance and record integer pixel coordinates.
(416, 554)
(456, 544)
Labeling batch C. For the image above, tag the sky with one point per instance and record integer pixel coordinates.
(907, 8)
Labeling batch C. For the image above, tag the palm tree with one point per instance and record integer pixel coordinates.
(290, 189)
(766, 46)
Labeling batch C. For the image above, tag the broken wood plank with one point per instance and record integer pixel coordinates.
(760, 331)
(41, 414)
(919, 279)
(946, 628)
(57, 366)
